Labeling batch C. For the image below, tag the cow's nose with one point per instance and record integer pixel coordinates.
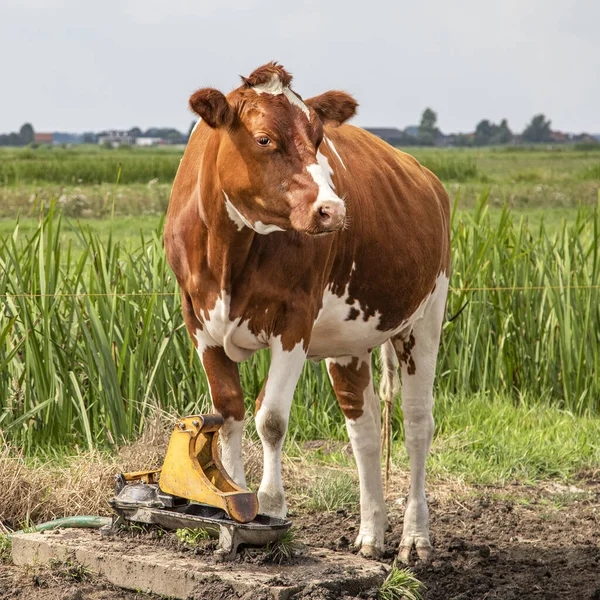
(330, 213)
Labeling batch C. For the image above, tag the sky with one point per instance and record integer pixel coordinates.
(82, 65)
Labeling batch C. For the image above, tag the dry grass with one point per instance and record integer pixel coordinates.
(35, 491)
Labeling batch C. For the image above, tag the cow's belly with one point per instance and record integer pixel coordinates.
(343, 329)
(340, 329)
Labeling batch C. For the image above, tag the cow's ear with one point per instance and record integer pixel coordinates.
(213, 107)
(333, 107)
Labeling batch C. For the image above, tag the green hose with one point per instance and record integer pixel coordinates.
(84, 521)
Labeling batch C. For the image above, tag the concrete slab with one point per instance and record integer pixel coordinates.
(150, 568)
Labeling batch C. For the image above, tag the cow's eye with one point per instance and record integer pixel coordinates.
(263, 141)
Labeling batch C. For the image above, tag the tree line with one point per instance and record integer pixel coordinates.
(486, 133)
(23, 138)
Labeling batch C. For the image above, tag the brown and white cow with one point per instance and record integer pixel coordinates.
(288, 230)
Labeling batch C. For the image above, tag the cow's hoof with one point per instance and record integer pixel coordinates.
(421, 545)
(272, 504)
(368, 546)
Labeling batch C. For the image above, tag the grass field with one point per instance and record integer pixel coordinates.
(518, 372)
(84, 178)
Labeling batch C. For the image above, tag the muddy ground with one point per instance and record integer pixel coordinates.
(515, 542)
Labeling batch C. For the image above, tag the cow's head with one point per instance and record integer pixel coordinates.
(269, 168)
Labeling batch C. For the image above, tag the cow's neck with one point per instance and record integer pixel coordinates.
(227, 247)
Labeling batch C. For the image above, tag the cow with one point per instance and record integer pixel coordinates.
(290, 230)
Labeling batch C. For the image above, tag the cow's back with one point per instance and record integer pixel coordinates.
(397, 240)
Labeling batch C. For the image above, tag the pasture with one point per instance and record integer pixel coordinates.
(95, 361)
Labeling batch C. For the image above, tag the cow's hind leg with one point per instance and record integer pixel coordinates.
(353, 384)
(417, 353)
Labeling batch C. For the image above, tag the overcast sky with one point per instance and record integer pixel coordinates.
(80, 65)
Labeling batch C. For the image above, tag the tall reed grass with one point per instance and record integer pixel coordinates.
(87, 369)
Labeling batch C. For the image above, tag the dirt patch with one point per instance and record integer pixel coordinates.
(518, 541)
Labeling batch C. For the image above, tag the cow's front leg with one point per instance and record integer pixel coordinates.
(353, 385)
(272, 416)
(228, 400)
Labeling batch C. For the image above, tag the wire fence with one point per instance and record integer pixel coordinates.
(452, 290)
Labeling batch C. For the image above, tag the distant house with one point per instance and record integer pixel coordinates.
(149, 141)
(42, 138)
(391, 135)
(584, 138)
(61, 137)
(116, 138)
(560, 137)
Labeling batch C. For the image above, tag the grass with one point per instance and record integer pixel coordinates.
(401, 584)
(486, 439)
(192, 537)
(5, 549)
(479, 441)
(83, 363)
(87, 165)
(84, 177)
(333, 491)
(285, 548)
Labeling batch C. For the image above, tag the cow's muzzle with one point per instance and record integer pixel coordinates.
(329, 215)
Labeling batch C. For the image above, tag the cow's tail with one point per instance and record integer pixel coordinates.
(389, 388)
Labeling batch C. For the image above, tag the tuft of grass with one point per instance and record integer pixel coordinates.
(192, 537)
(5, 549)
(70, 569)
(285, 548)
(401, 584)
(333, 491)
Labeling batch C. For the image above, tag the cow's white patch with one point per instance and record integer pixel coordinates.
(235, 215)
(275, 87)
(196, 125)
(325, 171)
(263, 229)
(321, 173)
(233, 335)
(330, 143)
(272, 419)
(240, 220)
(333, 335)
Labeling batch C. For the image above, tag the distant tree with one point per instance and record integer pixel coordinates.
(502, 133)
(26, 134)
(428, 130)
(538, 130)
(463, 139)
(14, 139)
(192, 125)
(135, 132)
(483, 133)
(90, 138)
